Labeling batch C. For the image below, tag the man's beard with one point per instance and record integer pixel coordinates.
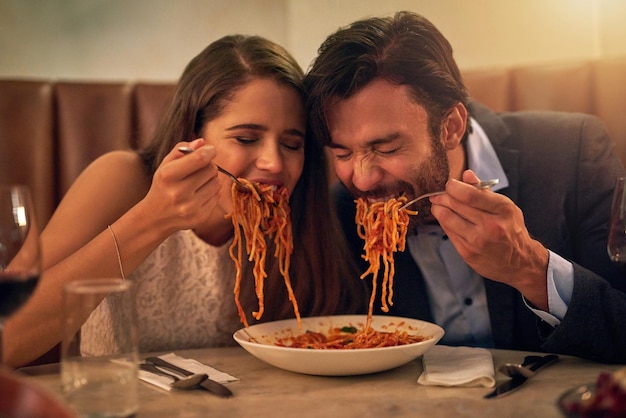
(430, 176)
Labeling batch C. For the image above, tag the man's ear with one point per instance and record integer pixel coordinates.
(453, 127)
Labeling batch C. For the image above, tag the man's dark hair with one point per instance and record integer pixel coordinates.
(405, 49)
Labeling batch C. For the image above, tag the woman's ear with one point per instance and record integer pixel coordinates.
(453, 127)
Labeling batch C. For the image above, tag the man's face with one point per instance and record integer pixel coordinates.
(383, 147)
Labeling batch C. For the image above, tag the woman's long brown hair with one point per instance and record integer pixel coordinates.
(322, 273)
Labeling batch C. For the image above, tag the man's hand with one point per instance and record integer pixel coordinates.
(488, 231)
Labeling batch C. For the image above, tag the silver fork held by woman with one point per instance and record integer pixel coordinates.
(188, 150)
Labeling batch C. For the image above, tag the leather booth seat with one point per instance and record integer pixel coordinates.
(596, 87)
(50, 131)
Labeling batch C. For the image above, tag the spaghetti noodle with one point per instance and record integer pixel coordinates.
(349, 338)
(383, 227)
(259, 213)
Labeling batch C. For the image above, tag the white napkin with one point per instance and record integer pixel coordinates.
(457, 366)
(187, 364)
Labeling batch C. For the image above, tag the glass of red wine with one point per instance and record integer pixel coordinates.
(19, 251)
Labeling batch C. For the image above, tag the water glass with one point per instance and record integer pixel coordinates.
(616, 244)
(99, 375)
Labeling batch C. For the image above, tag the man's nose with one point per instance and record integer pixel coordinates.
(366, 175)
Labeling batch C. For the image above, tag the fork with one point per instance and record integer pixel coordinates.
(485, 184)
(188, 150)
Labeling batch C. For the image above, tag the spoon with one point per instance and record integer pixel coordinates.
(485, 184)
(188, 382)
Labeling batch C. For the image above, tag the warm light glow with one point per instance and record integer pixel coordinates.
(19, 214)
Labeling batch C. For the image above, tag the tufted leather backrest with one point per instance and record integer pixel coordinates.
(596, 87)
(27, 141)
(50, 131)
(150, 102)
(92, 119)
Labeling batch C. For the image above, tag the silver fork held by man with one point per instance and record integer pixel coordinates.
(485, 184)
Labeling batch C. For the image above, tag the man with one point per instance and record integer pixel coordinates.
(521, 267)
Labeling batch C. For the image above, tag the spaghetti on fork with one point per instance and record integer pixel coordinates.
(261, 212)
(383, 227)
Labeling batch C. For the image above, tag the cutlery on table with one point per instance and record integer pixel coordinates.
(208, 384)
(485, 184)
(520, 373)
(189, 382)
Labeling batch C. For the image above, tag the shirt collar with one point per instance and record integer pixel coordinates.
(482, 158)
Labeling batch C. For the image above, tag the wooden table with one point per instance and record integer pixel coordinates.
(265, 391)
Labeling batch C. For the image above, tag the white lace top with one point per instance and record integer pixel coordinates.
(184, 300)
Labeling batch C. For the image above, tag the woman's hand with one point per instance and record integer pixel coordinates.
(185, 189)
(488, 231)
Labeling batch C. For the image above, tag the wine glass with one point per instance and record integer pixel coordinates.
(19, 251)
(616, 245)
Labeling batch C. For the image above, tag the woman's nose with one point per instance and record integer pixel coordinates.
(270, 159)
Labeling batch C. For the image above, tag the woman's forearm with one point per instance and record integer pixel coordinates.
(37, 326)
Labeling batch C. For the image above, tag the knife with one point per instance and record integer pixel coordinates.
(208, 384)
(533, 363)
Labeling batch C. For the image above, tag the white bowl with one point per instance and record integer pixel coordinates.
(337, 362)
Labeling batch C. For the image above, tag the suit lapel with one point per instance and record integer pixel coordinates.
(498, 135)
(501, 299)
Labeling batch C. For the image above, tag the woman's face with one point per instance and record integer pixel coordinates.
(260, 134)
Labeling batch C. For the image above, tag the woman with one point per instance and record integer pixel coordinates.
(238, 104)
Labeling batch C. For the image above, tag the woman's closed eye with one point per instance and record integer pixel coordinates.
(291, 145)
(295, 144)
(246, 140)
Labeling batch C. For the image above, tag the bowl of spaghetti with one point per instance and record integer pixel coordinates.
(339, 345)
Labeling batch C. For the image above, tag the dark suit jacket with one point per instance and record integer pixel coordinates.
(561, 170)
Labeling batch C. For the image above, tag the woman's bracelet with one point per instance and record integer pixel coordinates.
(117, 251)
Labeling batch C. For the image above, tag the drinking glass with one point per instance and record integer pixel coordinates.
(19, 251)
(616, 244)
(99, 353)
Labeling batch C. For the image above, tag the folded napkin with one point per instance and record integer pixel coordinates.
(457, 366)
(187, 364)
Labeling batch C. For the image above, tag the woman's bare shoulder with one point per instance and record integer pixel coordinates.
(107, 188)
(127, 161)
(117, 173)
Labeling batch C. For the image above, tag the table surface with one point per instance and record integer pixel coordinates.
(265, 390)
